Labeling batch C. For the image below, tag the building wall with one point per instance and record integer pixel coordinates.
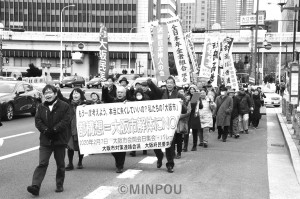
(44, 15)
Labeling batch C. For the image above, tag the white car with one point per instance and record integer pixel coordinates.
(272, 98)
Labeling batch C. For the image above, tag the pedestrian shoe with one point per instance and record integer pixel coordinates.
(201, 144)
(241, 132)
(205, 145)
(224, 140)
(236, 136)
(159, 163)
(132, 153)
(69, 167)
(246, 131)
(144, 152)
(194, 148)
(59, 189)
(79, 166)
(178, 156)
(170, 169)
(219, 136)
(119, 170)
(34, 190)
(184, 150)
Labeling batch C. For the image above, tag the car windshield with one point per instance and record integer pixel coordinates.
(7, 87)
(69, 78)
(95, 79)
(267, 90)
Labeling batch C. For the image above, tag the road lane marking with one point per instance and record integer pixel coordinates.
(101, 192)
(17, 135)
(148, 160)
(19, 153)
(130, 173)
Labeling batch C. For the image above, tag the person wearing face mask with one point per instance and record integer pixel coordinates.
(110, 89)
(170, 93)
(52, 119)
(206, 118)
(222, 112)
(245, 106)
(256, 113)
(138, 96)
(76, 99)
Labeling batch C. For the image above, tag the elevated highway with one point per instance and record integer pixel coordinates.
(119, 42)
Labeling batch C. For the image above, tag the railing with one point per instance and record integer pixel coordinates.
(139, 37)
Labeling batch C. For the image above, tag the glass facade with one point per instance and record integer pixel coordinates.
(119, 16)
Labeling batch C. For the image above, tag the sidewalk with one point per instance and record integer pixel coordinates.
(291, 142)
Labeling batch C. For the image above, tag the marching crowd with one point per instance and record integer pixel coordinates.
(204, 110)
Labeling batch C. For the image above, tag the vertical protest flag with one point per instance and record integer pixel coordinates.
(150, 32)
(103, 65)
(191, 50)
(179, 49)
(228, 65)
(160, 53)
(225, 47)
(210, 60)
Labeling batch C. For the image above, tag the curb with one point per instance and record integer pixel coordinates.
(291, 146)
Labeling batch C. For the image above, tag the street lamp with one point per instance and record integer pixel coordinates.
(61, 46)
(129, 51)
(266, 46)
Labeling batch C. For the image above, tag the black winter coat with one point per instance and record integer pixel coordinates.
(245, 103)
(58, 119)
(257, 104)
(108, 94)
(235, 107)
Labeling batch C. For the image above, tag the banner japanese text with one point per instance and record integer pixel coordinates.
(103, 65)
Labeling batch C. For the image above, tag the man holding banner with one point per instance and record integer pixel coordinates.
(169, 93)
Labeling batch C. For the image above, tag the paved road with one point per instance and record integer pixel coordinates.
(248, 167)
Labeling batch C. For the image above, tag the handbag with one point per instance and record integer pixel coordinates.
(182, 127)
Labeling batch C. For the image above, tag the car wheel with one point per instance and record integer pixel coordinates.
(72, 85)
(61, 86)
(9, 112)
(276, 105)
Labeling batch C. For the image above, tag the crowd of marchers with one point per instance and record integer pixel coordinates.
(205, 109)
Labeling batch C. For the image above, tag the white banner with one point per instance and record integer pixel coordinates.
(191, 50)
(130, 126)
(150, 32)
(179, 49)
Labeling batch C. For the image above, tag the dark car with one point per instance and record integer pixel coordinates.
(95, 82)
(72, 81)
(18, 97)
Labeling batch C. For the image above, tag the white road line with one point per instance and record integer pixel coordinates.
(130, 173)
(101, 193)
(148, 160)
(17, 135)
(18, 153)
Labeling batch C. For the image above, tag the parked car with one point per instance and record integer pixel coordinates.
(272, 98)
(95, 82)
(18, 97)
(72, 81)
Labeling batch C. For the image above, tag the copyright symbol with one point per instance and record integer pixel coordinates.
(123, 189)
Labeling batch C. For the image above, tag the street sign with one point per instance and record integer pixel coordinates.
(80, 45)
(294, 83)
(250, 20)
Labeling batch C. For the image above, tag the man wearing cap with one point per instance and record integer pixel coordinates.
(245, 106)
(223, 113)
(129, 92)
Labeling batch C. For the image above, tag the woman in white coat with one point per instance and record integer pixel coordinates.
(206, 118)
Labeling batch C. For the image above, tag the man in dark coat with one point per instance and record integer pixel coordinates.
(52, 120)
(121, 97)
(234, 121)
(110, 89)
(170, 93)
(245, 107)
(223, 113)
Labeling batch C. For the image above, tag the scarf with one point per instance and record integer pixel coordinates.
(51, 102)
(75, 103)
